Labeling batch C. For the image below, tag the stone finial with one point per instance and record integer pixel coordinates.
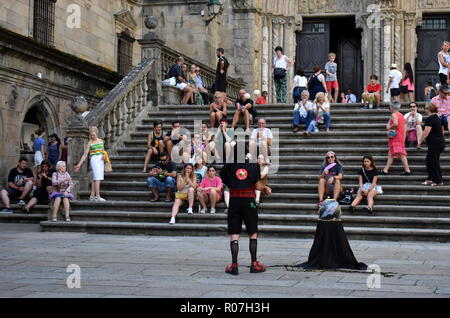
(151, 22)
(79, 105)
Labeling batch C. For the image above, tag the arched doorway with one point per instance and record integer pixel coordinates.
(39, 113)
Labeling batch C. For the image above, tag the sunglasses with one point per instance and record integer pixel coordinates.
(331, 157)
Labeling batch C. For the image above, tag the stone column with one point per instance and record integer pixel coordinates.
(265, 60)
(151, 46)
(410, 49)
(276, 41)
(366, 46)
(387, 52)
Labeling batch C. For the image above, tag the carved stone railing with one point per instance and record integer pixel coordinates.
(169, 57)
(115, 116)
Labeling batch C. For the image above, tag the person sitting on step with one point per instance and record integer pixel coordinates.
(44, 186)
(330, 178)
(244, 108)
(414, 129)
(321, 110)
(368, 187)
(186, 186)
(303, 112)
(20, 184)
(263, 181)
(210, 189)
(162, 177)
(62, 190)
(155, 143)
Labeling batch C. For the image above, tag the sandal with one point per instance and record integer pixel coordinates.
(154, 200)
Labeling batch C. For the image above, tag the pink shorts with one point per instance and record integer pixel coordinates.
(332, 84)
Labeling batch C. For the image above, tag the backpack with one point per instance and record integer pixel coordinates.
(311, 83)
(432, 93)
(329, 210)
(347, 197)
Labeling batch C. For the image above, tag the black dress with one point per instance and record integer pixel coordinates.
(331, 249)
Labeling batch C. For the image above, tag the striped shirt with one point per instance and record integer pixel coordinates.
(96, 149)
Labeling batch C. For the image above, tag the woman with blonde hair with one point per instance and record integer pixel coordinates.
(321, 109)
(62, 190)
(95, 149)
(186, 186)
(444, 61)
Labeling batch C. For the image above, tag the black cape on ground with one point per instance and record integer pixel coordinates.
(331, 249)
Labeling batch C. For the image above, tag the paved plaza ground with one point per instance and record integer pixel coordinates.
(34, 264)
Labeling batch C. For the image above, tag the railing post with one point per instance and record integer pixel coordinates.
(77, 133)
(151, 46)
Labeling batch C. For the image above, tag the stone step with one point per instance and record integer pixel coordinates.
(405, 189)
(263, 219)
(298, 169)
(393, 179)
(157, 229)
(391, 199)
(266, 207)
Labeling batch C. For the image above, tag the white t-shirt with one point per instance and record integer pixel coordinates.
(411, 121)
(442, 68)
(267, 133)
(325, 106)
(304, 112)
(280, 63)
(396, 76)
(300, 81)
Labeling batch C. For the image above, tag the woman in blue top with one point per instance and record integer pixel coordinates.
(39, 146)
(316, 83)
(53, 149)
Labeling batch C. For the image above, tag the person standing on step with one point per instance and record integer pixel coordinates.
(407, 84)
(155, 143)
(436, 145)
(396, 130)
(281, 65)
(300, 85)
(54, 149)
(316, 83)
(241, 179)
(393, 85)
(39, 147)
(368, 185)
(331, 78)
(221, 83)
(444, 61)
(186, 186)
(330, 178)
(162, 177)
(95, 149)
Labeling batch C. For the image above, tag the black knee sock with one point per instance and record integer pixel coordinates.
(234, 246)
(253, 247)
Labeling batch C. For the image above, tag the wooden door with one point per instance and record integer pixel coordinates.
(350, 68)
(434, 30)
(313, 45)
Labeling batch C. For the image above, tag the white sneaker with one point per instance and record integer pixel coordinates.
(100, 199)
(189, 211)
(22, 203)
(92, 199)
(172, 221)
(213, 211)
(202, 211)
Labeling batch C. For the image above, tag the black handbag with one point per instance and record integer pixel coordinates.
(279, 73)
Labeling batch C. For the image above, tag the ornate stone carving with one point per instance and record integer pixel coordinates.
(426, 4)
(350, 5)
(298, 23)
(12, 97)
(242, 4)
(386, 3)
(322, 6)
(79, 105)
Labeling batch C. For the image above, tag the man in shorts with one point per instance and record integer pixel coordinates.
(393, 86)
(176, 71)
(20, 184)
(241, 179)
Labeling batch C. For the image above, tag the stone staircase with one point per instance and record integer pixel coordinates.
(407, 210)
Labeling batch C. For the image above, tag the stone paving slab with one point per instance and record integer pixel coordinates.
(33, 264)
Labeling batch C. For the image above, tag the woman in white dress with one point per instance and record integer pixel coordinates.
(95, 149)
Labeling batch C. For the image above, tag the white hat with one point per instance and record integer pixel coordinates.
(394, 65)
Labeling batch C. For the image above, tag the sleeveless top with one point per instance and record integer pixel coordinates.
(96, 149)
(156, 140)
(442, 68)
(280, 62)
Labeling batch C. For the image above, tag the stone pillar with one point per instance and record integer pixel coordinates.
(388, 53)
(151, 46)
(77, 133)
(265, 60)
(410, 49)
(367, 48)
(276, 41)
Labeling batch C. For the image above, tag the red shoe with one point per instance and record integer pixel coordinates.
(232, 269)
(257, 267)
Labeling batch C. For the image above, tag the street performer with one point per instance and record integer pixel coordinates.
(241, 179)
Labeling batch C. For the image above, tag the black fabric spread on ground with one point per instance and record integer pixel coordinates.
(331, 249)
